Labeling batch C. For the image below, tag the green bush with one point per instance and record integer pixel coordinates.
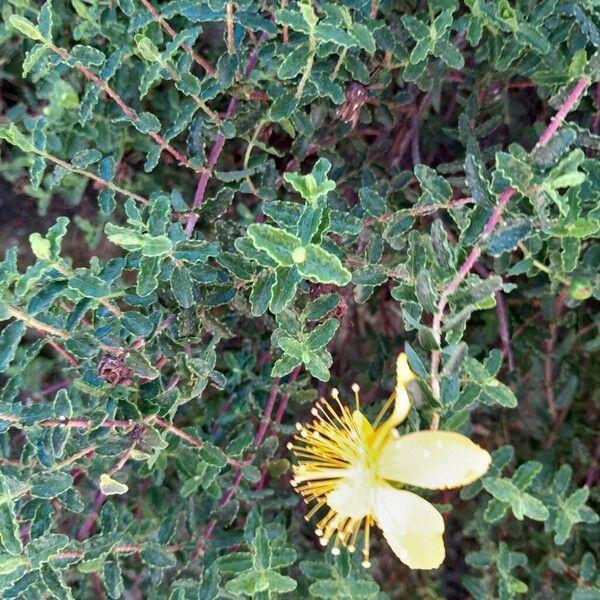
(286, 195)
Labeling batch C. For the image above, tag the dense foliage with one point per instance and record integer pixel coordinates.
(286, 195)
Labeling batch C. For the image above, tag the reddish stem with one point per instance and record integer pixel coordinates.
(215, 152)
(90, 521)
(476, 251)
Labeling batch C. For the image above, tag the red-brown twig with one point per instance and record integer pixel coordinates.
(548, 352)
(199, 59)
(476, 251)
(215, 152)
(128, 111)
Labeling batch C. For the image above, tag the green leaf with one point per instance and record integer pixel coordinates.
(292, 19)
(113, 579)
(227, 66)
(262, 292)
(372, 275)
(502, 489)
(10, 337)
(50, 485)
(40, 246)
(283, 107)
(87, 56)
(372, 202)
(137, 323)
(579, 228)
(449, 54)
(317, 367)
(436, 190)
(284, 288)
(55, 583)
(325, 32)
(9, 528)
(532, 37)
(88, 285)
(292, 347)
(155, 556)
(147, 49)
(294, 62)
(518, 173)
(109, 486)
(278, 244)
(363, 37)
(321, 335)
(147, 279)
(534, 508)
(320, 307)
(26, 27)
(213, 455)
(45, 19)
(181, 286)
(285, 365)
(322, 267)
(147, 123)
(262, 549)
(506, 237)
(43, 549)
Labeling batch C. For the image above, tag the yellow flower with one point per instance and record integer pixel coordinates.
(347, 465)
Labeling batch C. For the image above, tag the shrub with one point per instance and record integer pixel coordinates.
(266, 200)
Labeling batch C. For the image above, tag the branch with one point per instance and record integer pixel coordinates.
(127, 110)
(165, 25)
(215, 152)
(477, 250)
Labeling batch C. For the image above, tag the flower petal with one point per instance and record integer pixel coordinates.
(352, 495)
(402, 402)
(412, 527)
(433, 460)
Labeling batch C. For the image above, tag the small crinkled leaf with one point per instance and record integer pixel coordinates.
(262, 292)
(147, 123)
(372, 202)
(50, 485)
(278, 244)
(506, 237)
(26, 27)
(283, 107)
(157, 557)
(517, 172)
(213, 455)
(363, 37)
(109, 486)
(10, 337)
(435, 188)
(43, 549)
(284, 365)
(321, 335)
(325, 32)
(322, 267)
(294, 62)
(579, 228)
(55, 584)
(284, 288)
(182, 287)
(87, 56)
